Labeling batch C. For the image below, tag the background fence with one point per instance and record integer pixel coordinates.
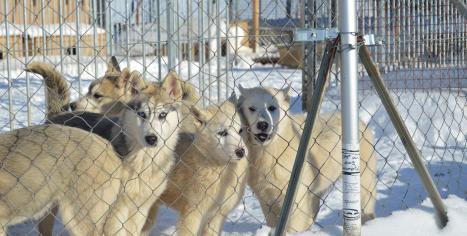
(217, 45)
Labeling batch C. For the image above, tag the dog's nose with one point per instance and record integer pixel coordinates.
(262, 125)
(151, 139)
(240, 152)
(73, 106)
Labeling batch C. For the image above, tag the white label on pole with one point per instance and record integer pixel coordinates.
(351, 187)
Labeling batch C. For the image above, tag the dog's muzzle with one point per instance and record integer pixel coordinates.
(151, 139)
(240, 152)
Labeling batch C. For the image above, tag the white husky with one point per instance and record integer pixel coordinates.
(210, 177)
(273, 136)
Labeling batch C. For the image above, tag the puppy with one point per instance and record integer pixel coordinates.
(211, 174)
(52, 164)
(273, 137)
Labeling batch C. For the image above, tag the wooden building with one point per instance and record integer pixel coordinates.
(50, 27)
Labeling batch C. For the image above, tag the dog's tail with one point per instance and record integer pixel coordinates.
(57, 92)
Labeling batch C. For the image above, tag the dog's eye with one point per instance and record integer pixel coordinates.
(97, 96)
(240, 131)
(141, 114)
(272, 108)
(162, 115)
(223, 133)
(252, 109)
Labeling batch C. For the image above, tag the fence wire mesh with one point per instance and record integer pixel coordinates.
(176, 64)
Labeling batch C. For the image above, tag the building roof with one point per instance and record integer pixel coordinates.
(66, 29)
(13, 29)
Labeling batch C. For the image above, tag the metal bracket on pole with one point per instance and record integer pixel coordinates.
(317, 35)
(403, 133)
(314, 35)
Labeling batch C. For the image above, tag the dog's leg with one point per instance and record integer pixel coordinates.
(151, 219)
(214, 226)
(117, 220)
(46, 224)
(368, 179)
(3, 229)
(189, 223)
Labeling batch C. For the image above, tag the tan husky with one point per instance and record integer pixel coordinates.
(51, 164)
(273, 136)
(211, 175)
(115, 85)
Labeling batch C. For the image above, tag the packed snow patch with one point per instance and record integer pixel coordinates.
(417, 221)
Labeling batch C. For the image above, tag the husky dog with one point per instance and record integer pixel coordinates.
(53, 164)
(101, 97)
(211, 174)
(273, 137)
(145, 173)
(115, 85)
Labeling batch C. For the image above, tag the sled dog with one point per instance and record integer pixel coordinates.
(47, 165)
(145, 173)
(102, 95)
(273, 136)
(210, 177)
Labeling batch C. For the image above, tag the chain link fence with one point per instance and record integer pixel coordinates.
(232, 173)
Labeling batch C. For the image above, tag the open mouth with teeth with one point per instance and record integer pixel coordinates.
(262, 137)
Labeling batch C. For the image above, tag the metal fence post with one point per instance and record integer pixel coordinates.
(309, 56)
(350, 141)
(170, 35)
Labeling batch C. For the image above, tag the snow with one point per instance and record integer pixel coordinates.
(435, 118)
(417, 221)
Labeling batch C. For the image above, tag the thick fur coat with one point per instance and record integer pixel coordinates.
(210, 177)
(273, 147)
(48, 164)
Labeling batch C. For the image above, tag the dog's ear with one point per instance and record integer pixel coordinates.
(134, 83)
(200, 116)
(285, 92)
(131, 81)
(113, 66)
(172, 85)
(233, 98)
(241, 89)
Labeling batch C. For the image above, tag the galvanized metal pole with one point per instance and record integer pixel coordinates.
(218, 50)
(159, 48)
(170, 35)
(26, 61)
(11, 115)
(404, 135)
(78, 45)
(350, 141)
(318, 93)
(189, 35)
(94, 38)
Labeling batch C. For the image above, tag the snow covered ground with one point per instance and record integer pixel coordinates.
(437, 120)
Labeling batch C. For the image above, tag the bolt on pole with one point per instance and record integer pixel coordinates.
(349, 101)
